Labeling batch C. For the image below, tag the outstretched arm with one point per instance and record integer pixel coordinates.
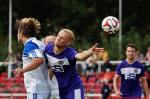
(87, 53)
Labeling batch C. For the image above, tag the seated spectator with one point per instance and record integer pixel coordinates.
(140, 57)
(108, 76)
(79, 69)
(92, 66)
(12, 58)
(12, 63)
(105, 57)
(106, 90)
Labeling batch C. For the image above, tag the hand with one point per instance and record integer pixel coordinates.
(118, 94)
(17, 72)
(96, 50)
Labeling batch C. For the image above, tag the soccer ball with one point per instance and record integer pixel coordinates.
(110, 25)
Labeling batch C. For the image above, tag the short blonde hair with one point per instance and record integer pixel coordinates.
(49, 39)
(70, 33)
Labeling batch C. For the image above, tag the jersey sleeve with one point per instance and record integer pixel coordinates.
(118, 70)
(72, 54)
(47, 47)
(33, 50)
(35, 53)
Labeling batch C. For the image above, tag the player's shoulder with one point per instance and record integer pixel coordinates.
(33, 42)
(122, 63)
(37, 42)
(31, 45)
(49, 47)
(71, 50)
(139, 64)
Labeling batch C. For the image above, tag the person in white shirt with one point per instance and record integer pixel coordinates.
(34, 66)
(53, 81)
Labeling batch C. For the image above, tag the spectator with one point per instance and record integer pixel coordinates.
(12, 58)
(105, 57)
(92, 66)
(106, 90)
(139, 57)
(79, 69)
(147, 56)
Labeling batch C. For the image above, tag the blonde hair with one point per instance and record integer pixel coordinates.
(70, 33)
(49, 39)
(28, 26)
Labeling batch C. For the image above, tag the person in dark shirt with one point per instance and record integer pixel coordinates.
(62, 60)
(132, 76)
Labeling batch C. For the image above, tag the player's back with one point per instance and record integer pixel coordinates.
(36, 80)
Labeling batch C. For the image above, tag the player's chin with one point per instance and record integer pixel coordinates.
(131, 58)
(59, 45)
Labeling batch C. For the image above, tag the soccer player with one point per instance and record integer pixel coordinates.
(49, 39)
(62, 60)
(34, 67)
(53, 81)
(131, 73)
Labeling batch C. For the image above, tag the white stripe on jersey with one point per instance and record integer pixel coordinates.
(77, 94)
(57, 64)
(130, 70)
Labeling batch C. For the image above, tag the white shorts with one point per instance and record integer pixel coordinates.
(55, 97)
(38, 95)
(55, 94)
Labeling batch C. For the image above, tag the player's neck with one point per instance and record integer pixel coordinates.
(58, 49)
(130, 61)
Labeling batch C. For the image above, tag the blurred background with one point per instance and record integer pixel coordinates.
(84, 17)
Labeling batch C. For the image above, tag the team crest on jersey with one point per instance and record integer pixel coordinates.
(136, 70)
(60, 62)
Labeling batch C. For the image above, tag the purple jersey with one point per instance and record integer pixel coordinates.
(130, 75)
(64, 68)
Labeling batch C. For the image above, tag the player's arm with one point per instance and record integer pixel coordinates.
(50, 73)
(37, 59)
(115, 80)
(144, 85)
(36, 62)
(87, 53)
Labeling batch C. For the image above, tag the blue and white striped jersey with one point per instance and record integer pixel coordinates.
(37, 80)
